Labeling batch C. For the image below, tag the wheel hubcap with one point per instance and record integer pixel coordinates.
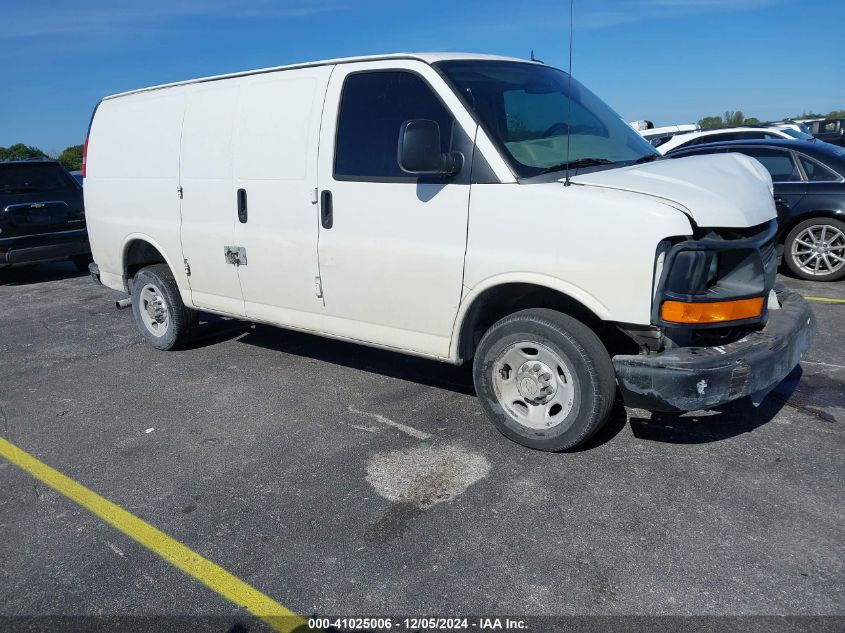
(534, 381)
(819, 250)
(153, 310)
(534, 385)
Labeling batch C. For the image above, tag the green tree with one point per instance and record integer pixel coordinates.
(19, 151)
(733, 118)
(711, 122)
(72, 158)
(751, 121)
(836, 114)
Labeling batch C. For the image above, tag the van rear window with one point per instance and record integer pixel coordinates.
(33, 178)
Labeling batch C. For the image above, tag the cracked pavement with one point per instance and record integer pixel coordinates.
(325, 474)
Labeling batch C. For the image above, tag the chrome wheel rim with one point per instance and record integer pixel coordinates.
(534, 385)
(819, 250)
(152, 307)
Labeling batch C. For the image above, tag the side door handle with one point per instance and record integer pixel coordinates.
(326, 214)
(242, 213)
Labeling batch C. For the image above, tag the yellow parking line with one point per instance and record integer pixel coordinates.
(825, 299)
(213, 576)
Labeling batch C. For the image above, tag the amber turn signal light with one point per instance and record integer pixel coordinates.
(711, 312)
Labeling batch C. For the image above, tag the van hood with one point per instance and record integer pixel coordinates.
(714, 190)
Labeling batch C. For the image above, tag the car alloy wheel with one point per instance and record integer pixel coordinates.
(819, 250)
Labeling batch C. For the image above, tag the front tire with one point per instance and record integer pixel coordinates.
(160, 315)
(544, 379)
(815, 249)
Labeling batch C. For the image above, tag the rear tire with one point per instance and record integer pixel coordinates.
(160, 315)
(544, 379)
(802, 257)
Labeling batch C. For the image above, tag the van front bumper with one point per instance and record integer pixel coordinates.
(695, 378)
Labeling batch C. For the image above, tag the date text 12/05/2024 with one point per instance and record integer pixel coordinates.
(418, 624)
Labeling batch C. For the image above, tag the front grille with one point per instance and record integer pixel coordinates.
(769, 255)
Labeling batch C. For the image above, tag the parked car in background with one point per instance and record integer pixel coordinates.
(659, 135)
(77, 175)
(809, 181)
(725, 134)
(830, 131)
(788, 124)
(42, 216)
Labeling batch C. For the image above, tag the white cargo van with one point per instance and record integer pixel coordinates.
(457, 207)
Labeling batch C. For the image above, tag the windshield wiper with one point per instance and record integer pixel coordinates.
(574, 164)
(647, 158)
(17, 189)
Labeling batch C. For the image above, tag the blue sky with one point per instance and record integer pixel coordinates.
(669, 61)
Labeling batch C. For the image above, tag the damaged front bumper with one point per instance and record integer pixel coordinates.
(694, 378)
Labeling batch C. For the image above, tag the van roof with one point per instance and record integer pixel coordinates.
(428, 58)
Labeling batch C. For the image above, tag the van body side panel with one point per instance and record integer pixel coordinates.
(208, 204)
(132, 179)
(275, 164)
(594, 244)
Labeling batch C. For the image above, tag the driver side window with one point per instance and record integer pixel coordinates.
(373, 106)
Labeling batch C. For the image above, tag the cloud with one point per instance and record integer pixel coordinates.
(709, 4)
(614, 13)
(67, 19)
(603, 14)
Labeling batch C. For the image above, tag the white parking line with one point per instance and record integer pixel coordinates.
(420, 435)
(812, 362)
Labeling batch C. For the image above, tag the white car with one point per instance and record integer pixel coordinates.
(659, 135)
(795, 126)
(457, 207)
(725, 134)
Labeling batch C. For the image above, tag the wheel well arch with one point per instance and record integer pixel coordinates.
(138, 253)
(794, 221)
(503, 299)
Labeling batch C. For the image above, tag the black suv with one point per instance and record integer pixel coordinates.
(42, 215)
(830, 131)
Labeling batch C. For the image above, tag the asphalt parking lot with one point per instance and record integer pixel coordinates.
(347, 481)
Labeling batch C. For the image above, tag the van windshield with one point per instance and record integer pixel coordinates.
(526, 110)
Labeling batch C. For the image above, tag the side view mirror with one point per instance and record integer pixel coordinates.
(419, 150)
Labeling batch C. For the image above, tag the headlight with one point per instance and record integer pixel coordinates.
(716, 280)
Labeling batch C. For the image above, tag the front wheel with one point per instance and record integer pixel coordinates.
(544, 379)
(161, 316)
(815, 249)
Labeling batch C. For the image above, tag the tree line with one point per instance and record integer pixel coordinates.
(71, 157)
(733, 118)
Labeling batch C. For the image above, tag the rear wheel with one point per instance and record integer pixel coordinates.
(544, 379)
(815, 249)
(161, 316)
